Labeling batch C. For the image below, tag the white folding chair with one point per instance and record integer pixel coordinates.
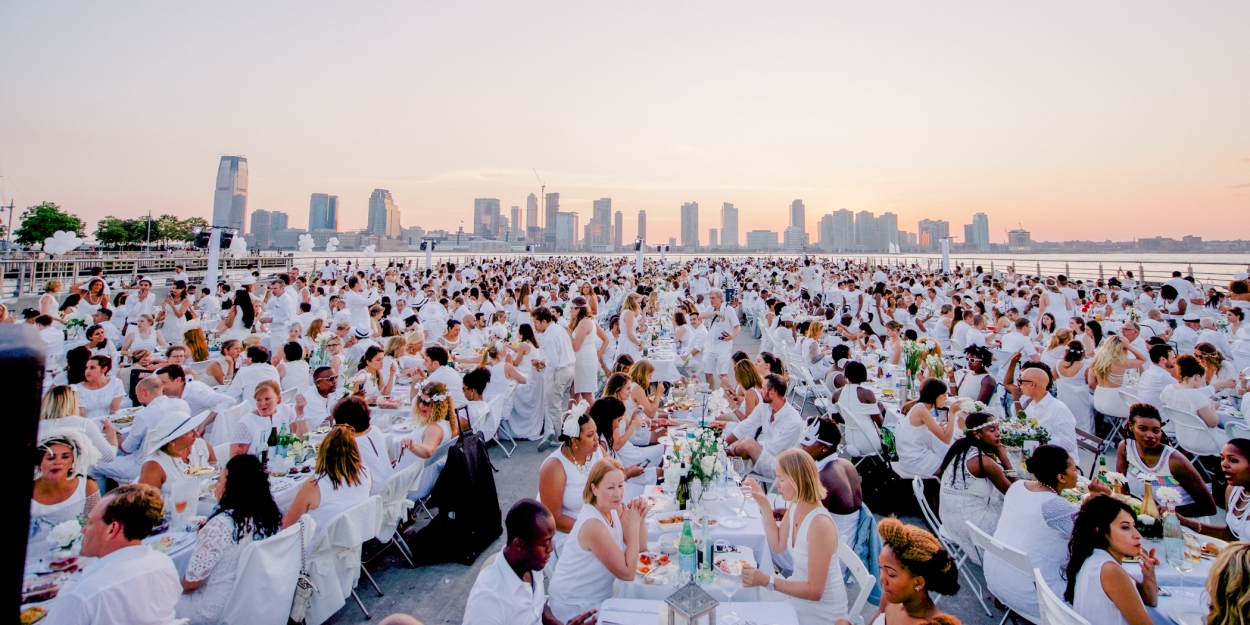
(1054, 611)
(1013, 557)
(395, 507)
(334, 564)
(501, 406)
(956, 553)
(1193, 435)
(863, 579)
(223, 425)
(265, 586)
(1236, 429)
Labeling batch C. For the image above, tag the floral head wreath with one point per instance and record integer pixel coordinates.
(571, 428)
(423, 387)
(992, 421)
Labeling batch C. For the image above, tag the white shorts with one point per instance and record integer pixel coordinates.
(718, 362)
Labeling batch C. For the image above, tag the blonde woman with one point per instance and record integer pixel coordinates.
(807, 531)
(60, 410)
(432, 414)
(893, 341)
(750, 394)
(47, 302)
(251, 435)
(812, 351)
(396, 347)
(145, 336)
(589, 342)
(1056, 302)
(641, 396)
(1113, 358)
(340, 482)
(1057, 347)
(630, 343)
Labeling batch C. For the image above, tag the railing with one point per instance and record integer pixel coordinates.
(28, 277)
(1152, 272)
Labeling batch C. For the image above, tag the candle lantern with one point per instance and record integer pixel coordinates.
(691, 605)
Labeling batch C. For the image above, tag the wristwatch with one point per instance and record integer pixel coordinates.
(770, 583)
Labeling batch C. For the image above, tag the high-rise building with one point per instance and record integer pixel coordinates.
(566, 230)
(843, 237)
(1019, 240)
(278, 220)
(618, 229)
(486, 217)
(690, 225)
(672, 242)
(794, 239)
(798, 215)
(383, 215)
(865, 231)
(533, 233)
(549, 224)
(230, 199)
(761, 240)
(323, 212)
(262, 228)
(728, 225)
(712, 240)
(601, 224)
(516, 231)
(932, 232)
(887, 232)
(977, 233)
(642, 226)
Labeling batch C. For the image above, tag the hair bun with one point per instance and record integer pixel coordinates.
(909, 542)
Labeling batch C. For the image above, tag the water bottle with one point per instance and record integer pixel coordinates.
(687, 554)
(1173, 538)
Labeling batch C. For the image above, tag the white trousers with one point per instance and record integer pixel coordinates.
(558, 386)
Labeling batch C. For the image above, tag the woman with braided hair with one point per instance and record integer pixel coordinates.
(974, 480)
(913, 564)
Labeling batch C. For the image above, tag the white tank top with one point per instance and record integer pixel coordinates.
(336, 500)
(581, 581)
(1162, 472)
(1089, 599)
(1238, 521)
(574, 481)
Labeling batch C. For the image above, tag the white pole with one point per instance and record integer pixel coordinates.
(663, 255)
(214, 258)
(946, 255)
(429, 253)
(638, 260)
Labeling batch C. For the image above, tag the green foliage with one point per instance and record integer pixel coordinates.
(112, 231)
(42, 221)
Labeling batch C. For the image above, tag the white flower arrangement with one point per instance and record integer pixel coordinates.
(935, 365)
(703, 453)
(1168, 494)
(969, 405)
(1145, 519)
(65, 534)
(717, 404)
(1117, 478)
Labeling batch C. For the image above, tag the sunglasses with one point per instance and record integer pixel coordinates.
(424, 400)
(329, 378)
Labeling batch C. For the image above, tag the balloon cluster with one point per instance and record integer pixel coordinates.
(61, 242)
(370, 250)
(305, 243)
(332, 244)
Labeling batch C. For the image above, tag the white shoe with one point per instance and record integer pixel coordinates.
(545, 443)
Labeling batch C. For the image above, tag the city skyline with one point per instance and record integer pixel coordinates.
(1108, 122)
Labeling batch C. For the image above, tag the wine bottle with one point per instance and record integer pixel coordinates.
(271, 444)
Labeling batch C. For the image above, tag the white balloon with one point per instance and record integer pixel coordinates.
(305, 243)
(370, 250)
(332, 244)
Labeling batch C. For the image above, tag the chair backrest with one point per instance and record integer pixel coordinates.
(1192, 433)
(863, 432)
(395, 500)
(1053, 609)
(265, 584)
(1011, 556)
(1128, 396)
(223, 425)
(351, 528)
(863, 578)
(222, 451)
(1237, 429)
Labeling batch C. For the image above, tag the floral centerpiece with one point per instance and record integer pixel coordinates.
(716, 405)
(702, 454)
(65, 534)
(75, 327)
(913, 357)
(936, 366)
(321, 357)
(1015, 432)
(968, 405)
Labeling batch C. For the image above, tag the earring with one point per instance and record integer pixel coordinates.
(917, 589)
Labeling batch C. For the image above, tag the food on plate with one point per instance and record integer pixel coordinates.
(63, 564)
(32, 615)
(1210, 549)
(676, 518)
(163, 543)
(200, 470)
(730, 566)
(644, 569)
(122, 420)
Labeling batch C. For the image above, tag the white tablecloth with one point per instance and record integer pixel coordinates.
(1168, 576)
(645, 612)
(640, 589)
(665, 370)
(750, 535)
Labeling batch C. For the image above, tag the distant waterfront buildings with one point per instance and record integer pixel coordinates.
(690, 225)
(515, 230)
(642, 226)
(798, 215)
(261, 228)
(618, 227)
(977, 233)
(931, 232)
(762, 240)
(1019, 240)
(323, 212)
(711, 238)
(566, 230)
(728, 225)
(601, 224)
(486, 218)
(550, 224)
(533, 232)
(383, 215)
(230, 199)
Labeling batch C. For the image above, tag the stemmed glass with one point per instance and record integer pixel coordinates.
(737, 469)
(1181, 562)
(729, 583)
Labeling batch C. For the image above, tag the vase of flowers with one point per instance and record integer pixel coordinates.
(65, 534)
(703, 455)
(913, 357)
(936, 366)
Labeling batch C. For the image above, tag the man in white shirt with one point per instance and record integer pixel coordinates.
(140, 302)
(149, 392)
(281, 312)
(131, 582)
(1050, 413)
(557, 348)
(257, 369)
(1018, 341)
(53, 340)
(436, 359)
(1157, 377)
(198, 395)
(358, 302)
(724, 327)
(779, 424)
(1186, 334)
(509, 591)
(314, 402)
(1132, 333)
(1208, 334)
(328, 271)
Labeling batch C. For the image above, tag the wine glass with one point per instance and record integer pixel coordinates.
(729, 583)
(1179, 561)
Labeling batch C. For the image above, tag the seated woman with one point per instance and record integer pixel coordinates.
(1037, 521)
(374, 453)
(976, 382)
(913, 564)
(641, 396)
(1099, 589)
(99, 394)
(603, 544)
(1187, 394)
(812, 351)
(174, 448)
(340, 482)
(1235, 464)
(750, 393)
(807, 531)
(371, 381)
(1143, 452)
(920, 438)
(293, 369)
(60, 410)
(245, 512)
(435, 422)
(1226, 586)
(251, 435)
(63, 489)
(562, 476)
(221, 368)
(974, 480)
(853, 399)
(609, 416)
(834, 378)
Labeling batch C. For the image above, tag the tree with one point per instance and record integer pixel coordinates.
(112, 231)
(42, 221)
(190, 225)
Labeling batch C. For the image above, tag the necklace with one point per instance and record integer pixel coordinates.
(583, 468)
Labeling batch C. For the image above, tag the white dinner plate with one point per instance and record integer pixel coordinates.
(1187, 614)
(732, 523)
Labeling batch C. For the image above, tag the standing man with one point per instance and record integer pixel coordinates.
(558, 352)
(722, 330)
(281, 311)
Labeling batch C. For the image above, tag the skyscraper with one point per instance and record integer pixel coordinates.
(278, 220)
(230, 199)
(552, 207)
(843, 231)
(865, 231)
(323, 212)
(486, 217)
(601, 224)
(261, 228)
(515, 224)
(618, 227)
(931, 233)
(798, 215)
(533, 232)
(728, 225)
(711, 238)
(690, 225)
(887, 232)
(977, 234)
(642, 226)
(566, 230)
(383, 214)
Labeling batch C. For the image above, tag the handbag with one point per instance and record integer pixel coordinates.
(304, 586)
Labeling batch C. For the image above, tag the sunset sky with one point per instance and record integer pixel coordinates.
(1089, 120)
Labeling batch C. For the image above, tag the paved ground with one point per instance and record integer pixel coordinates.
(437, 594)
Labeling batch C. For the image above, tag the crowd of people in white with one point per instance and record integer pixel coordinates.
(1079, 357)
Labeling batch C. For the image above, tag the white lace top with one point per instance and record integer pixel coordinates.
(97, 402)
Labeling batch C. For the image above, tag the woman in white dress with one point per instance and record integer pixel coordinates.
(1056, 303)
(63, 489)
(1113, 358)
(615, 426)
(47, 301)
(60, 410)
(174, 312)
(1099, 588)
(246, 512)
(435, 421)
(630, 343)
(807, 531)
(238, 324)
(340, 482)
(1235, 464)
(99, 394)
(527, 417)
(221, 369)
(251, 434)
(562, 476)
(974, 479)
(294, 370)
(1187, 395)
(913, 564)
(921, 440)
(173, 448)
(1072, 385)
(145, 337)
(602, 546)
(587, 338)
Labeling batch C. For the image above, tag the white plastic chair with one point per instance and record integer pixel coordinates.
(223, 425)
(429, 475)
(1235, 429)
(265, 585)
(334, 564)
(1053, 609)
(395, 507)
(1013, 557)
(956, 554)
(499, 406)
(863, 579)
(1193, 435)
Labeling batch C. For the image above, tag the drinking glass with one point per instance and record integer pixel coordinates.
(728, 584)
(1182, 564)
(383, 421)
(185, 493)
